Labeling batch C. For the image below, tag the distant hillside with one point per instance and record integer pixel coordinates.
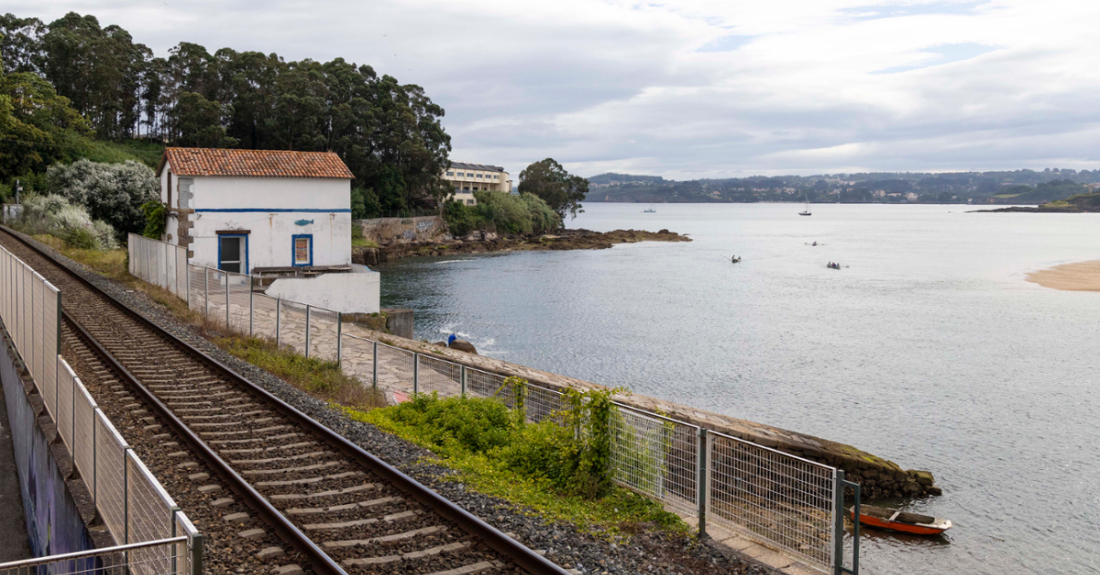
(1008, 187)
(1089, 202)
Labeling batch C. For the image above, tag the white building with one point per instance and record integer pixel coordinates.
(269, 211)
(242, 210)
(469, 178)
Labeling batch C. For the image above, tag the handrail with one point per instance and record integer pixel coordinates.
(90, 553)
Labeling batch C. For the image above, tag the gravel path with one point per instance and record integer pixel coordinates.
(645, 552)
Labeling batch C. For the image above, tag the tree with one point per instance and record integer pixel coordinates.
(113, 193)
(36, 125)
(549, 181)
(197, 123)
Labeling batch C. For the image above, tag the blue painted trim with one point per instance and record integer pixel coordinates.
(244, 268)
(293, 250)
(275, 210)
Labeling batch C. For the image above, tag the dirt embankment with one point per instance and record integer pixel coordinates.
(483, 242)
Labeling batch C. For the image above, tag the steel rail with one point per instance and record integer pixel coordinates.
(523, 556)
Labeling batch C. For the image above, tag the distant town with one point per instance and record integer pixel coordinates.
(1007, 187)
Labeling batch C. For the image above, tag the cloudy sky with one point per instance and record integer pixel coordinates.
(691, 89)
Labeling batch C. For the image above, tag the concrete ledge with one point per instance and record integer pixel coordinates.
(878, 477)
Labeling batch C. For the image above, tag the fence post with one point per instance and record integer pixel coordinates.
(206, 291)
(166, 268)
(251, 307)
(228, 326)
(838, 514)
(126, 496)
(339, 337)
(374, 367)
(701, 481)
(416, 373)
(187, 279)
(196, 554)
(174, 569)
(278, 318)
(307, 330)
(462, 381)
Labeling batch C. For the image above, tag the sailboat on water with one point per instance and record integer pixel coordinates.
(806, 210)
(650, 210)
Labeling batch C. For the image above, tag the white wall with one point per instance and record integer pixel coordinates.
(357, 292)
(263, 207)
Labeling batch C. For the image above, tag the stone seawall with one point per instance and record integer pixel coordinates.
(419, 229)
(878, 477)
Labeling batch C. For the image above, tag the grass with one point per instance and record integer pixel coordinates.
(520, 464)
(318, 377)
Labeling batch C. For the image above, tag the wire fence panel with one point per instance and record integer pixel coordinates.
(149, 516)
(217, 284)
(110, 465)
(159, 263)
(541, 403)
(437, 375)
(323, 325)
(264, 320)
(485, 384)
(292, 325)
(66, 387)
(196, 288)
(656, 456)
(395, 368)
(771, 496)
(181, 272)
(84, 448)
(240, 305)
(357, 358)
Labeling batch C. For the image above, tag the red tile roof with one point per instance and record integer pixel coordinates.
(254, 163)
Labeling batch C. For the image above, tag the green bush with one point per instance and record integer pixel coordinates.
(80, 238)
(461, 219)
(543, 217)
(156, 218)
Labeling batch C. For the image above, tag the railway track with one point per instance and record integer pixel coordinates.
(340, 508)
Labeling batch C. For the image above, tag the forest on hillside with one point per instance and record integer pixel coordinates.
(74, 89)
(1000, 187)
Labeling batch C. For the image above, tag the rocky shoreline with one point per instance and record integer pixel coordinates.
(486, 242)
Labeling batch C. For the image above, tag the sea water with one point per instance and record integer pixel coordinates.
(928, 347)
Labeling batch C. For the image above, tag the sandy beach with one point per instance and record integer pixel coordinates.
(1079, 276)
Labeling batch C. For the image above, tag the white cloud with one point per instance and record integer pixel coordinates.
(696, 88)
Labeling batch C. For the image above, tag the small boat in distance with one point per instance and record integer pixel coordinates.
(902, 521)
(650, 210)
(806, 211)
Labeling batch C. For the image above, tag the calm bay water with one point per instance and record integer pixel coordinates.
(930, 349)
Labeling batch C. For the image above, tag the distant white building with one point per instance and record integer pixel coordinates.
(469, 178)
(274, 212)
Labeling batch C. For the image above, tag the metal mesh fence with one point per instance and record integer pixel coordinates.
(540, 403)
(323, 336)
(656, 456)
(357, 357)
(239, 288)
(395, 368)
(149, 516)
(771, 496)
(84, 447)
(196, 288)
(440, 376)
(292, 325)
(110, 469)
(485, 384)
(216, 282)
(264, 316)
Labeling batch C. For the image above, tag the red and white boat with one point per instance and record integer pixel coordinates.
(902, 521)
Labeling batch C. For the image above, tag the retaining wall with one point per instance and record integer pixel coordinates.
(54, 521)
(386, 230)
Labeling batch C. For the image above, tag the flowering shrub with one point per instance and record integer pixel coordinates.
(113, 193)
(54, 215)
